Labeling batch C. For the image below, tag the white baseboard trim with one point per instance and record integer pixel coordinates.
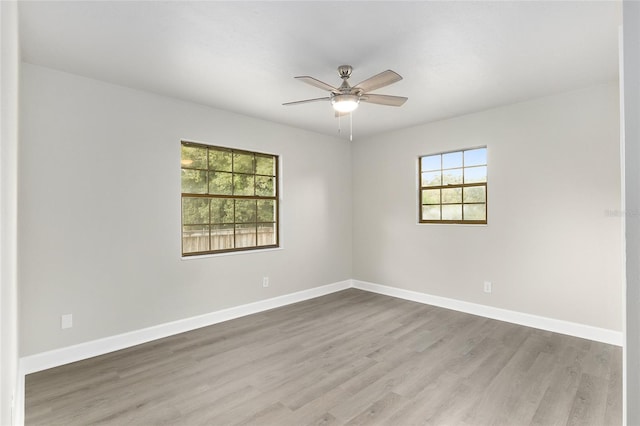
(42, 361)
(549, 324)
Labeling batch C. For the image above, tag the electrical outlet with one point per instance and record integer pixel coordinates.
(265, 281)
(66, 321)
(487, 286)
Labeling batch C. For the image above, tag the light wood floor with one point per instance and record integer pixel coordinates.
(347, 358)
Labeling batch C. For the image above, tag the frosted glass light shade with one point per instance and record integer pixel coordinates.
(345, 103)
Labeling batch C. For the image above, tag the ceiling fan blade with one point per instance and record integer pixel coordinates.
(384, 99)
(317, 83)
(307, 101)
(385, 78)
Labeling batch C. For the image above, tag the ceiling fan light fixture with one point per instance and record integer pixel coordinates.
(345, 103)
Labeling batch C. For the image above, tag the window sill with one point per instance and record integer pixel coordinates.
(229, 253)
(451, 224)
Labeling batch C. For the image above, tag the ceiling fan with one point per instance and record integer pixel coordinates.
(346, 98)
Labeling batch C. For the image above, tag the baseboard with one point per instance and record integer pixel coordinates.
(558, 326)
(42, 361)
(57, 357)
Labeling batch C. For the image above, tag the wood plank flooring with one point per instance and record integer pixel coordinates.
(349, 358)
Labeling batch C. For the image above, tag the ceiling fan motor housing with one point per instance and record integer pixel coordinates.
(345, 71)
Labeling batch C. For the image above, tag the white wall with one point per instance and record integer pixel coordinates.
(99, 211)
(631, 42)
(100, 217)
(550, 248)
(9, 64)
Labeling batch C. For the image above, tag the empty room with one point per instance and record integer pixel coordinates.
(315, 212)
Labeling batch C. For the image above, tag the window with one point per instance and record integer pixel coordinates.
(229, 199)
(453, 187)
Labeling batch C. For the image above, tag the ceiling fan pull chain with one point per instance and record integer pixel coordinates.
(339, 128)
(351, 126)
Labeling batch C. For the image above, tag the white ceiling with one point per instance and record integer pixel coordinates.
(455, 57)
